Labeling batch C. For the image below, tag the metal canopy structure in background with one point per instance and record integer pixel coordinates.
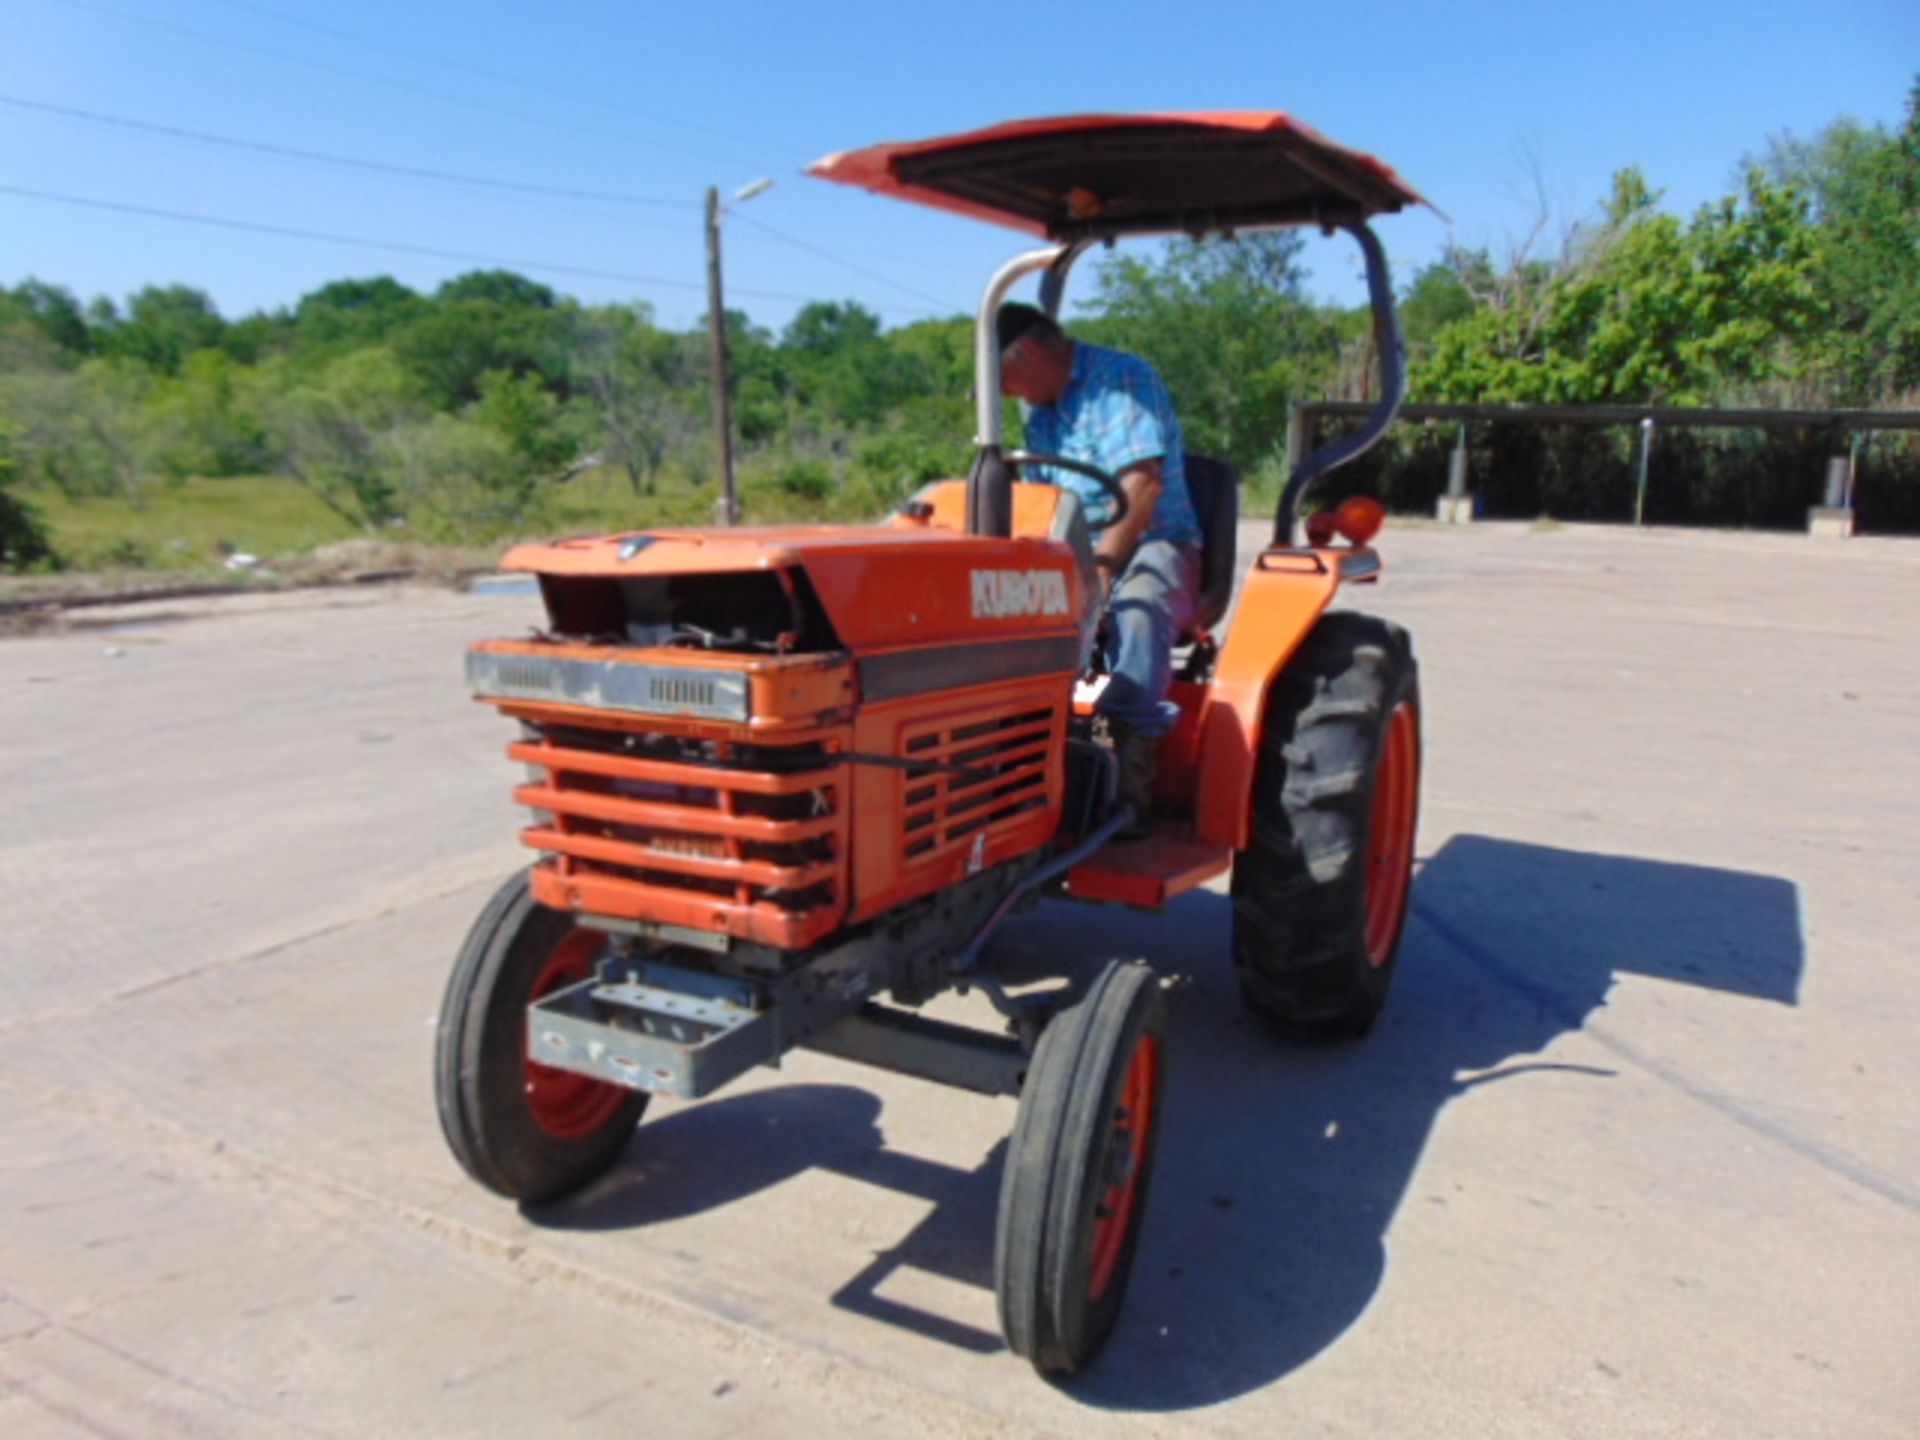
(1845, 421)
(1844, 426)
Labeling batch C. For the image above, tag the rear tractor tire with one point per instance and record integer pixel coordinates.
(1320, 893)
(522, 1129)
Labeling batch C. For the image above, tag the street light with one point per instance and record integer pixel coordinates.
(717, 327)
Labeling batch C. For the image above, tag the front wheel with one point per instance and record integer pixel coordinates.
(524, 1130)
(1320, 893)
(1075, 1185)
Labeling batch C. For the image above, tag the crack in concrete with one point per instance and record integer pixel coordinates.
(30, 1023)
(1846, 1167)
(827, 1372)
(169, 1376)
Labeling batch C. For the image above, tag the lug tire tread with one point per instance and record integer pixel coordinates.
(1299, 888)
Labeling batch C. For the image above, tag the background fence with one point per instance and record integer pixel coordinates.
(1661, 465)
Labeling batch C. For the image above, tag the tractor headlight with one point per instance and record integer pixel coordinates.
(609, 685)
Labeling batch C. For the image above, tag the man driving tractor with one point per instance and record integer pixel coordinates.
(1112, 410)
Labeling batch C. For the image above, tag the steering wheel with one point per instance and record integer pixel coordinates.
(1104, 479)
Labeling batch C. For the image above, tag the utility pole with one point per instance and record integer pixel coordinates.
(717, 329)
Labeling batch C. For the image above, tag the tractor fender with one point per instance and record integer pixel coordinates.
(1284, 596)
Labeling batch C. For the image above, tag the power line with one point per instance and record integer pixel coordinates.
(406, 248)
(396, 246)
(428, 57)
(410, 172)
(406, 171)
(842, 262)
(430, 92)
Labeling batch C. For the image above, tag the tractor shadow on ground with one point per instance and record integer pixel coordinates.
(1281, 1163)
(770, 1136)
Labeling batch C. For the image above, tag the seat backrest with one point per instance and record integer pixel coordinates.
(1214, 485)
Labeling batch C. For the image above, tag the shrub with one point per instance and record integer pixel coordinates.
(806, 479)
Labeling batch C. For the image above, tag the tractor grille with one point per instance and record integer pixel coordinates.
(745, 839)
(966, 777)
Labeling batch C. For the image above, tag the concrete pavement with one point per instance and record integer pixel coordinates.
(1632, 1152)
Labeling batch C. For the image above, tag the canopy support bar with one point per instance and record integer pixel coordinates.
(1393, 385)
(990, 486)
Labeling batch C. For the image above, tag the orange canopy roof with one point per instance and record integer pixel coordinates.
(1089, 176)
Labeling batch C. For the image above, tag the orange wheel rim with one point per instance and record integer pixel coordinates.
(565, 1105)
(1396, 793)
(1127, 1163)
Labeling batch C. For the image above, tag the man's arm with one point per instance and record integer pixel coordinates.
(1142, 484)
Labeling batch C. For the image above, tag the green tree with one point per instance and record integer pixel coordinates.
(52, 444)
(1863, 184)
(838, 366)
(342, 435)
(24, 544)
(938, 354)
(638, 388)
(257, 338)
(1643, 308)
(926, 433)
(529, 421)
(41, 327)
(352, 314)
(460, 337)
(498, 287)
(211, 418)
(758, 378)
(1439, 295)
(163, 325)
(462, 479)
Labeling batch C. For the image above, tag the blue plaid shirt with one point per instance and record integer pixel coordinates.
(1115, 413)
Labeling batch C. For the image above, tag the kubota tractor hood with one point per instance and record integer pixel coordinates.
(1078, 177)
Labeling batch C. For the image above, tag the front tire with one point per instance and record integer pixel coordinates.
(522, 1129)
(1320, 893)
(1078, 1164)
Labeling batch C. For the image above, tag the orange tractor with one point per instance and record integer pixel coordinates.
(786, 782)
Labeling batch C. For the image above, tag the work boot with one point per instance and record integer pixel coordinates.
(1138, 759)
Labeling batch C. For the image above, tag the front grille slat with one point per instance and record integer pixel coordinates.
(619, 766)
(630, 856)
(657, 815)
(748, 838)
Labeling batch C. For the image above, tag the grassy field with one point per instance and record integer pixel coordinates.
(192, 525)
(602, 500)
(183, 526)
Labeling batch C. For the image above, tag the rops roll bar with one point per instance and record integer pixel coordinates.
(989, 485)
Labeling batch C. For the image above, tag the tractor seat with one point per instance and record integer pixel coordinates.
(1215, 487)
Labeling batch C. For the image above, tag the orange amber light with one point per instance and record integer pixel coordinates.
(1359, 518)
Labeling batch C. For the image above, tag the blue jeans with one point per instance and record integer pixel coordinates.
(1152, 603)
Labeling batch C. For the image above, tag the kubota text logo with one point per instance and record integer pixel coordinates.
(1001, 593)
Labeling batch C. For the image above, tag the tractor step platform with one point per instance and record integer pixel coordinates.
(1165, 863)
(662, 1029)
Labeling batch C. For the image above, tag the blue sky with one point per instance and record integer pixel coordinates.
(1483, 105)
